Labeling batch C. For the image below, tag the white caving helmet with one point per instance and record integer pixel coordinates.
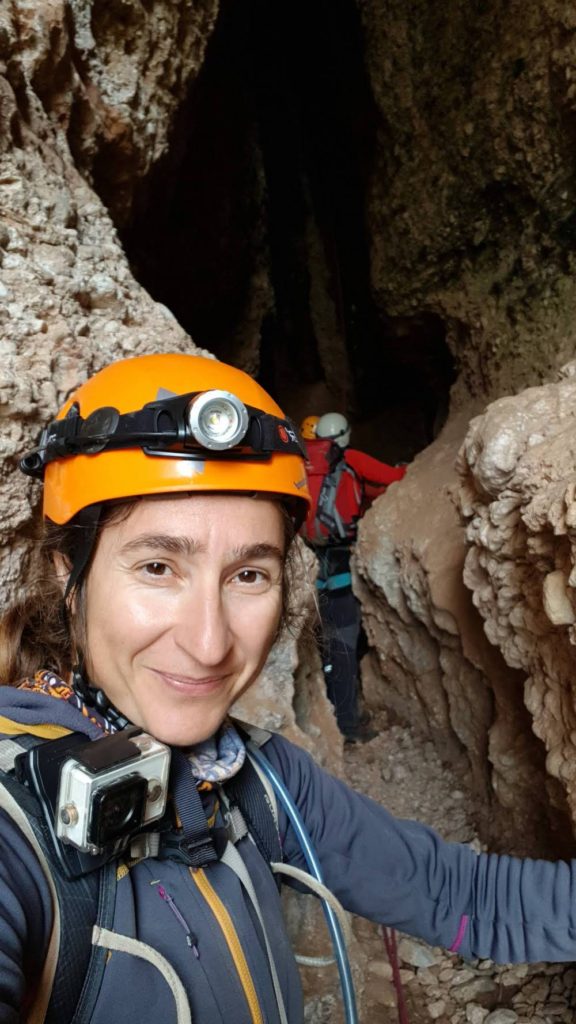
(335, 426)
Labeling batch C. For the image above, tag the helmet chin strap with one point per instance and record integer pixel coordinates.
(87, 521)
(93, 697)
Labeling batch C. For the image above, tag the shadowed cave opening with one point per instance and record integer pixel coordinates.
(253, 229)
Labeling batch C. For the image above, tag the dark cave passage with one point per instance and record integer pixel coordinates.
(253, 229)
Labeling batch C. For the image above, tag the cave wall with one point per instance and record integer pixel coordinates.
(473, 190)
(518, 499)
(432, 662)
(74, 96)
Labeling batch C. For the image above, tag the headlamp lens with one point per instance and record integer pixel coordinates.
(217, 420)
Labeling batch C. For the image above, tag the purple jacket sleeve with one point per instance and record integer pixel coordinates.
(25, 921)
(402, 874)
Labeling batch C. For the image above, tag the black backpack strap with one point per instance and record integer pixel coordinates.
(194, 842)
(247, 791)
(69, 991)
(101, 912)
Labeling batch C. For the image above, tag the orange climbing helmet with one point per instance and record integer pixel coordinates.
(159, 424)
(308, 428)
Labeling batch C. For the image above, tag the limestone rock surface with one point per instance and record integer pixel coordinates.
(71, 97)
(432, 662)
(518, 499)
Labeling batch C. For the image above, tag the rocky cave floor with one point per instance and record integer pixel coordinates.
(406, 775)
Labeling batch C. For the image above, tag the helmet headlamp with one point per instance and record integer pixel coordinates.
(166, 423)
(182, 426)
(217, 420)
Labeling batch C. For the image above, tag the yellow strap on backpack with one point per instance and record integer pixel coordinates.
(45, 730)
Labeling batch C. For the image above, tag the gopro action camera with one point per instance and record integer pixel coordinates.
(97, 795)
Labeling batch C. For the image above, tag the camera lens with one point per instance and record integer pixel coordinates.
(117, 810)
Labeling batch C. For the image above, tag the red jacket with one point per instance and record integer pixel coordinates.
(375, 475)
(357, 479)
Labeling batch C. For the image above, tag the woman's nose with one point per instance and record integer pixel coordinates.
(203, 630)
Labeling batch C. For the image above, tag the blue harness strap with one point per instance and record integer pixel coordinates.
(106, 900)
(338, 582)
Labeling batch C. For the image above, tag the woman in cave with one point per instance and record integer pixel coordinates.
(173, 488)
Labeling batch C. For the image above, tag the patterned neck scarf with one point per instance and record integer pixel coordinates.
(219, 758)
(213, 761)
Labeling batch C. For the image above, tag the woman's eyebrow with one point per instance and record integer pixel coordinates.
(176, 545)
(249, 551)
(163, 542)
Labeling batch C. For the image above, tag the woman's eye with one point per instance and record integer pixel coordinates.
(156, 569)
(251, 576)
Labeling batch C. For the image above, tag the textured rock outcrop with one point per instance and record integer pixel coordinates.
(435, 665)
(104, 78)
(519, 500)
(73, 98)
(471, 209)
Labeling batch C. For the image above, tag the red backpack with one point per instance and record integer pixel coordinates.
(337, 495)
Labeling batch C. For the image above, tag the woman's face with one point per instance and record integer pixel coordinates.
(183, 602)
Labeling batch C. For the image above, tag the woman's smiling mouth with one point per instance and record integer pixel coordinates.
(191, 685)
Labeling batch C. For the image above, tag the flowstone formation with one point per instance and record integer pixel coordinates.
(472, 626)
(519, 500)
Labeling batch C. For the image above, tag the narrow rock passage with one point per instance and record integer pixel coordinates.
(403, 772)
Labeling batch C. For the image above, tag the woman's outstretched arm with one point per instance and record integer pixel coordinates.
(401, 873)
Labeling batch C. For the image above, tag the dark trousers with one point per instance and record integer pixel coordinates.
(341, 618)
(340, 614)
